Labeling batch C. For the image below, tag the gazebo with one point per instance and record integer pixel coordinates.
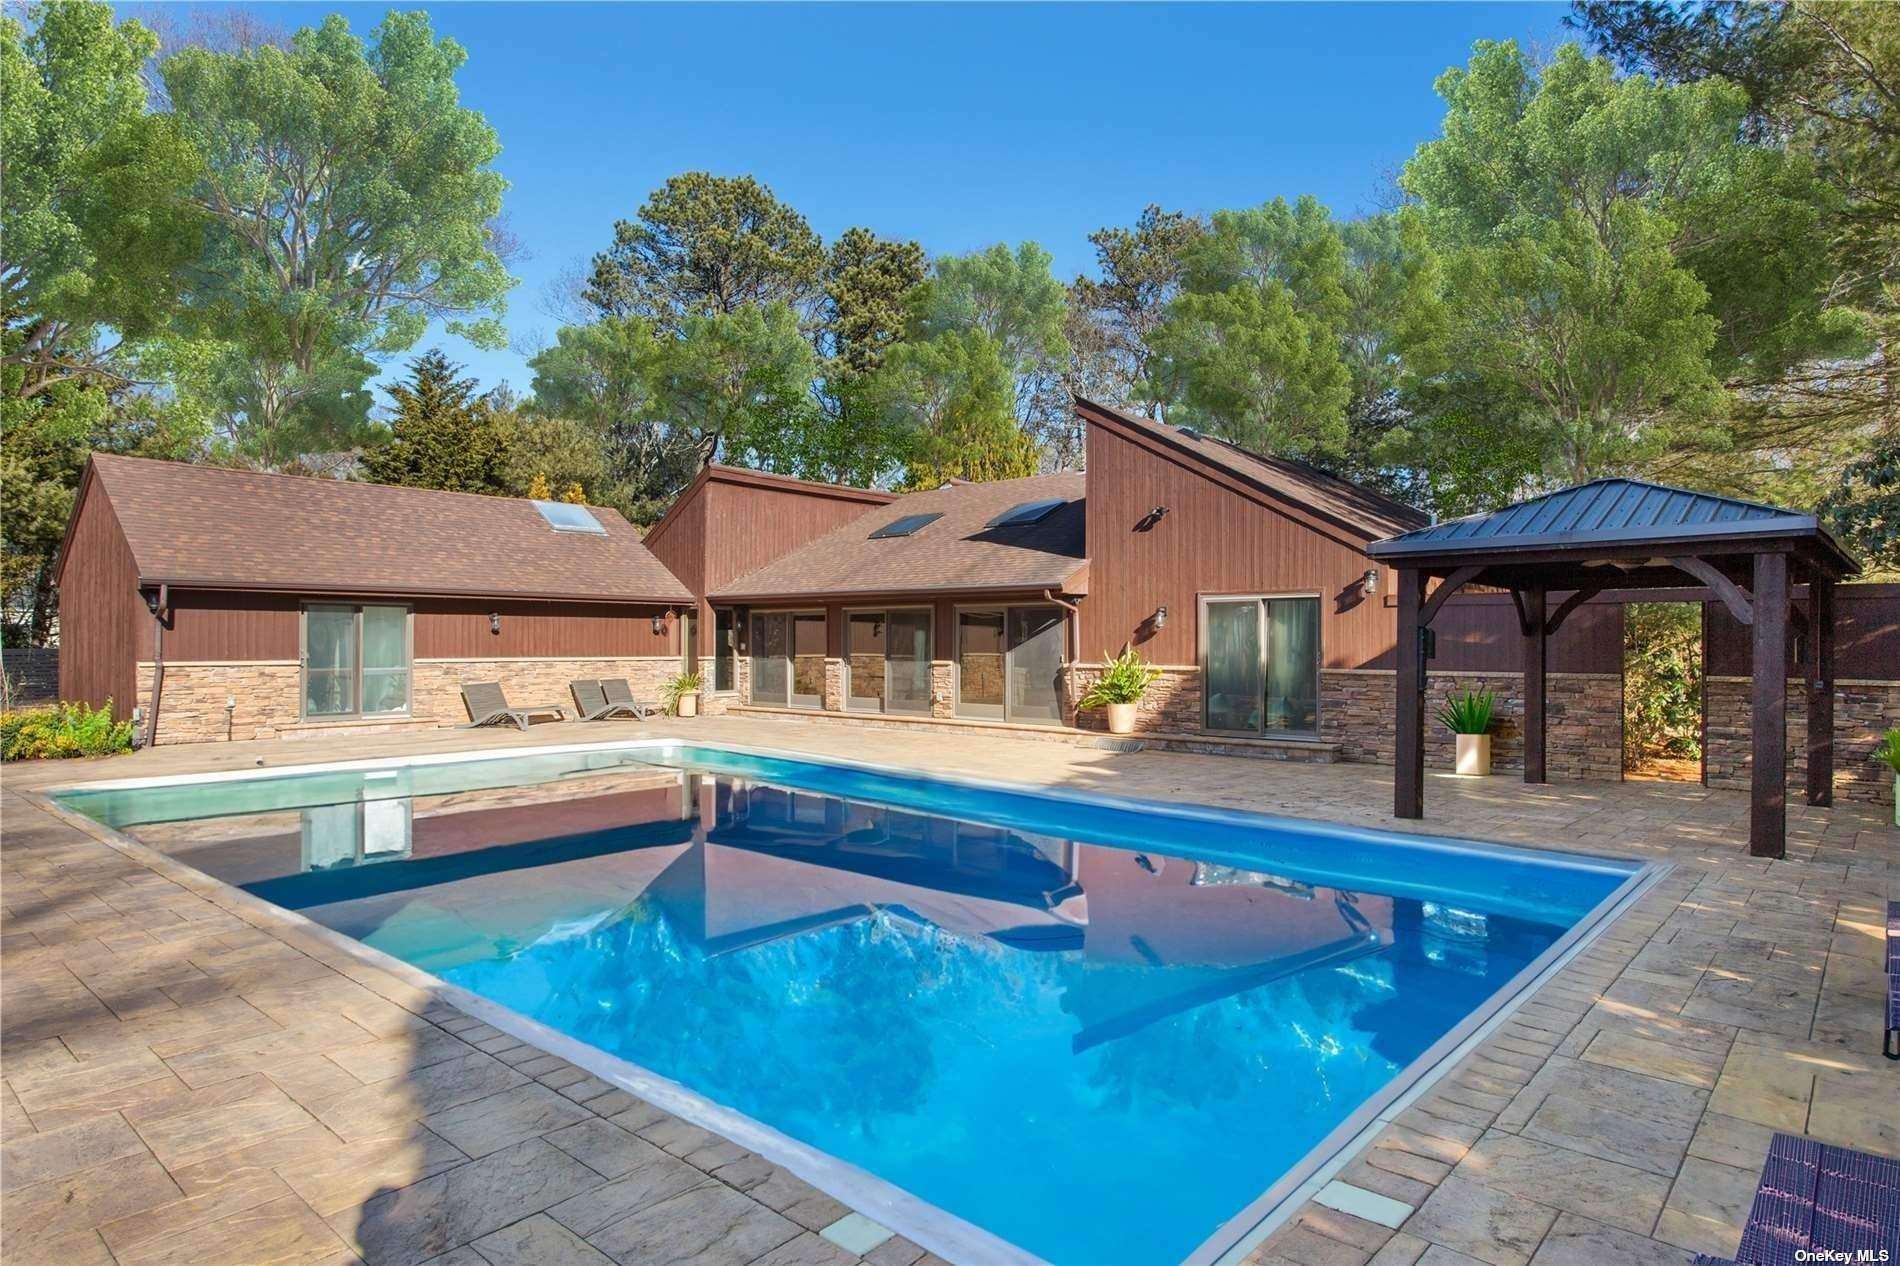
(1624, 534)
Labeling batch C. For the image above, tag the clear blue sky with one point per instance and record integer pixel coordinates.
(956, 125)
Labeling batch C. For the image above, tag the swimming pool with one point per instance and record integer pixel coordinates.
(1095, 1029)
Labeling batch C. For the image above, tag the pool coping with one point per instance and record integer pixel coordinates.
(928, 1225)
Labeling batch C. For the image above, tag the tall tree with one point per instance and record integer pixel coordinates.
(444, 434)
(951, 399)
(1251, 349)
(705, 245)
(1112, 320)
(872, 288)
(602, 376)
(350, 202)
(741, 383)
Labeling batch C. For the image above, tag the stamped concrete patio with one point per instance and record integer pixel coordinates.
(190, 1079)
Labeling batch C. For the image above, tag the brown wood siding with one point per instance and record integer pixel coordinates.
(1479, 632)
(103, 624)
(217, 627)
(1866, 635)
(1213, 540)
(536, 630)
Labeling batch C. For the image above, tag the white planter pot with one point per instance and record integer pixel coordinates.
(1896, 799)
(689, 705)
(1474, 754)
(1121, 718)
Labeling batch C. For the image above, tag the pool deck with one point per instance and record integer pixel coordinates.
(188, 1080)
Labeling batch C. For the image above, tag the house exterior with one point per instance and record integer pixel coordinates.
(730, 521)
(235, 604)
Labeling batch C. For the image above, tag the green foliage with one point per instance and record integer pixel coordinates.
(1864, 508)
(1468, 711)
(548, 453)
(443, 435)
(1112, 321)
(349, 198)
(951, 399)
(740, 383)
(1662, 682)
(705, 245)
(1125, 679)
(1889, 751)
(62, 730)
(674, 688)
(873, 287)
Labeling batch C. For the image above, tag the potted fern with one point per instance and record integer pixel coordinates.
(680, 695)
(1467, 714)
(1889, 751)
(1125, 679)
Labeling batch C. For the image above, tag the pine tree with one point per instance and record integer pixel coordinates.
(444, 435)
(538, 489)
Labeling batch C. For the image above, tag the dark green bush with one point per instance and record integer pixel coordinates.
(64, 729)
(1662, 682)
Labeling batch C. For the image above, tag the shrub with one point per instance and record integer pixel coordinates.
(62, 730)
(1889, 751)
(1468, 712)
(684, 684)
(1125, 679)
(1662, 682)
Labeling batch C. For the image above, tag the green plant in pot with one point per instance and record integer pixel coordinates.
(1467, 714)
(1125, 679)
(1889, 751)
(680, 695)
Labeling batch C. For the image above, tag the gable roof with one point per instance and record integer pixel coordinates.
(212, 527)
(958, 552)
(1610, 513)
(1361, 511)
(717, 472)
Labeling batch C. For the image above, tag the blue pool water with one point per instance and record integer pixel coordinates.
(1092, 1028)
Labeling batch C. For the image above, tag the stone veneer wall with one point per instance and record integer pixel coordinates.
(1863, 712)
(192, 709)
(1172, 704)
(1584, 741)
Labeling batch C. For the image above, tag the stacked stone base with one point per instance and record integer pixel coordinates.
(1863, 713)
(264, 697)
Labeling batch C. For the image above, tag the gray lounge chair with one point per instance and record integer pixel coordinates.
(487, 705)
(592, 702)
(620, 694)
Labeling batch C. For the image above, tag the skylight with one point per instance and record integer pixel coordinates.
(564, 516)
(1027, 512)
(906, 526)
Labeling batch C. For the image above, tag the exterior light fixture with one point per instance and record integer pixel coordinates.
(1369, 584)
(1157, 513)
(494, 621)
(1159, 620)
(151, 601)
(659, 625)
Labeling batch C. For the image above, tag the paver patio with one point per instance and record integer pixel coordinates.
(187, 1080)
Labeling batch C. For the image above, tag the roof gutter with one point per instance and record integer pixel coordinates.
(388, 591)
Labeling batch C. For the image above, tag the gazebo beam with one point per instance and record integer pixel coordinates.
(1408, 778)
(1536, 650)
(1768, 785)
(1820, 683)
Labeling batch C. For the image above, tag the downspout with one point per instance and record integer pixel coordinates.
(1075, 650)
(158, 663)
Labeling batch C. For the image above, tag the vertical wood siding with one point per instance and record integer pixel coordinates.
(104, 627)
(1866, 635)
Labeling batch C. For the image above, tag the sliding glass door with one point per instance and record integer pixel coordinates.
(788, 658)
(355, 661)
(887, 661)
(1260, 664)
(1009, 664)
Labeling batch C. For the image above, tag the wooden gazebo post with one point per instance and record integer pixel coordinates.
(1820, 674)
(1768, 771)
(1408, 777)
(1536, 658)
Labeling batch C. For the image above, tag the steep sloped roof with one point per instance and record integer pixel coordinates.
(213, 527)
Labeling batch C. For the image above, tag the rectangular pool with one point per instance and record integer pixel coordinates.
(1096, 1029)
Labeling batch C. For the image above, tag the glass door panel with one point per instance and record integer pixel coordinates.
(329, 666)
(981, 664)
(907, 662)
(689, 641)
(385, 659)
(1293, 665)
(771, 636)
(864, 660)
(808, 661)
(1035, 664)
(722, 649)
(1233, 671)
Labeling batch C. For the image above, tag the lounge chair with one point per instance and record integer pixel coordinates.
(487, 705)
(620, 694)
(1820, 1203)
(593, 705)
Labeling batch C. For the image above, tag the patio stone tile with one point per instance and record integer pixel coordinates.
(462, 1204)
(1765, 1087)
(291, 1147)
(283, 1232)
(1575, 1241)
(260, 1053)
(14, 1121)
(1655, 1058)
(481, 1126)
(603, 1146)
(809, 1249)
(589, 1087)
(238, 1192)
(464, 1256)
(377, 1060)
(1363, 1173)
(1439, 1255)
(1707, 1207)
(1732, 1141)
(638, 1117)
(339, 1176)
(538, 1241)
(657, 1179)
(615, 1100)
(787, 1193)
(1595, 1128)
(81, 1248)
(68, 1150)
(697, 1147)
(374, 1110)
(1343, 1226)
(1850, 1111)
(199, 1124)
(1564, 1179)
(711, 1225)
(77, 1203)
(104, 1100)
(1401, 1250)
(896, 1251)
(1485, 1223)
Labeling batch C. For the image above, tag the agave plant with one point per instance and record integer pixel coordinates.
(1889, 751)
(1468, 712)
(676, 687)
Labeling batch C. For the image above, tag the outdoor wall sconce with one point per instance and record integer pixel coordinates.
(659, 625)
(1147, 521)
(151, 601)
(1159, 620)
(494, 621)
(1369, 585)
